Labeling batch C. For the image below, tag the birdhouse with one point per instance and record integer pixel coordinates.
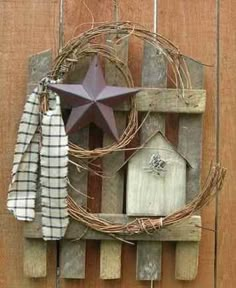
(156, 180)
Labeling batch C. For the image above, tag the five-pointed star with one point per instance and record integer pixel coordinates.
(92, 101)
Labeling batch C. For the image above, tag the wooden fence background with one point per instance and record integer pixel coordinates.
(204, 30)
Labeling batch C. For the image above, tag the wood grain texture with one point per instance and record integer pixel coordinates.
(75, 17)
(190, 134)
(186, 260)
(21, 36)
(35, 258)
(72, 259)
(156, 195)
(168, 100)
(190, 144)
(140, 12)
(73, 254)
(154, 74)
(113, 188)
(196, 38)
(226, 235)
(183, 231)
(12, 255)
(148, 263)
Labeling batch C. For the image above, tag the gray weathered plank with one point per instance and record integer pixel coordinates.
(187, 230)
(154, 74)
(190, 145)
(35, 258)
(148, 262)
(35, 251)
(190, 135)
(72, 259)
(73, 254)
(113, 188)
(38, 66)
(186, 260)
(168, 100)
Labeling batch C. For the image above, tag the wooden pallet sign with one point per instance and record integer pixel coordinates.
(154, 181)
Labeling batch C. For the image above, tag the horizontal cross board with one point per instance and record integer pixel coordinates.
(168, 100)
(187, 230)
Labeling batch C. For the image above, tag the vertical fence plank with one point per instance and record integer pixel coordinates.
(21, 36)
(190, 134)
(113, 188)
(35, 258)
(190, 145)
(141, 12)
(73, 254)
(226, 234)
(75, 15)
(154, 74)
(186, 263)
(197, 39)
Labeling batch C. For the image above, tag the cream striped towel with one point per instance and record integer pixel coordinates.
(40, 162)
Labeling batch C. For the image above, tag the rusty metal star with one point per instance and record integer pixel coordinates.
(92, 101)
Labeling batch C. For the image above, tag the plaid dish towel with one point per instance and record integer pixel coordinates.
(40, 162)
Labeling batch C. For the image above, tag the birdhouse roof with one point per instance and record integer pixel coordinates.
(148, 140)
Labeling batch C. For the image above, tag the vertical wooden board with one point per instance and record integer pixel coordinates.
(190, 134)
(186, 260)
(197, 21)
(79, 15)
(148, 260)
(72, 259)
(38, 67)
(154, 74)
(21, 36)
(110, 260)
(35, 258)
(190, 145)
(226, 234)
(73, 254)
(113, 188)
(139, 12)
(75, 16)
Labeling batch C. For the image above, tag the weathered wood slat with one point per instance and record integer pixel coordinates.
(186, 260)
(35, 258)
(154, 74)
(168, 100)
(73, 254)
(187, 230)
(72, 259)
(190, 145)
(113, 188)
(190, 135)
(148, 262)
(36, 251)
(38, 66)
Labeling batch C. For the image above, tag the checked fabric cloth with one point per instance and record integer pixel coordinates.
(40, 166)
